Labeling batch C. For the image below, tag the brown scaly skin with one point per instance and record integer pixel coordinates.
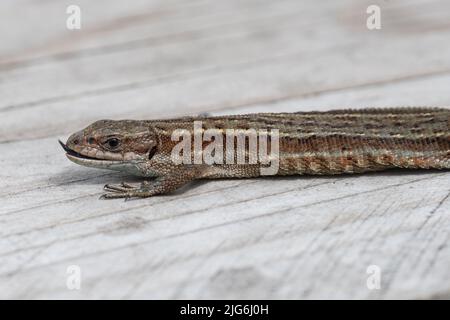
(333, 142)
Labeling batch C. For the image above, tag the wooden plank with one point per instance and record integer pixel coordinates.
(56, 240)
(251, 85)
(292, 237)
(109, 26)
(198, 85)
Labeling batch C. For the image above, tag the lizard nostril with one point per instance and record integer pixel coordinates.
(76, 141)
(91, 140)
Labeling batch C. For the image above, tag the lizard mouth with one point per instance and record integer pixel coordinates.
(73, 153)
(87, 161)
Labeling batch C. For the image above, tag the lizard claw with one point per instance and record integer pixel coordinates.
(127, 185)
(123, 187)
(115, 195)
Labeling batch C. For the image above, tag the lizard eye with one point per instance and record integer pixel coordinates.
(112, 143)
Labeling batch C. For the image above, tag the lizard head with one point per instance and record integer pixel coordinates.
(117, 145)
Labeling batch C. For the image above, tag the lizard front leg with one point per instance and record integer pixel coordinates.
(161, 185)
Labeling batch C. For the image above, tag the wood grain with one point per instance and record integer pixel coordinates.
(308, 237)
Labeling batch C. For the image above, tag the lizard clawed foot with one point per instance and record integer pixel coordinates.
(160, 185)
(125, 190)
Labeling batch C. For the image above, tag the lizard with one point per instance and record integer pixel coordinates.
(345, 141)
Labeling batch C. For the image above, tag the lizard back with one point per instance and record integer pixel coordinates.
(342, 141)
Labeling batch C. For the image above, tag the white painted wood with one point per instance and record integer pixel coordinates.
(292, 237)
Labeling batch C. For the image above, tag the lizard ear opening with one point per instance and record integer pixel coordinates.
(152, 152)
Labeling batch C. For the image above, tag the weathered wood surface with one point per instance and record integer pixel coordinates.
(302, 237)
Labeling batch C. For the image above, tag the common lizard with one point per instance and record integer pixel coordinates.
(318, 143)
